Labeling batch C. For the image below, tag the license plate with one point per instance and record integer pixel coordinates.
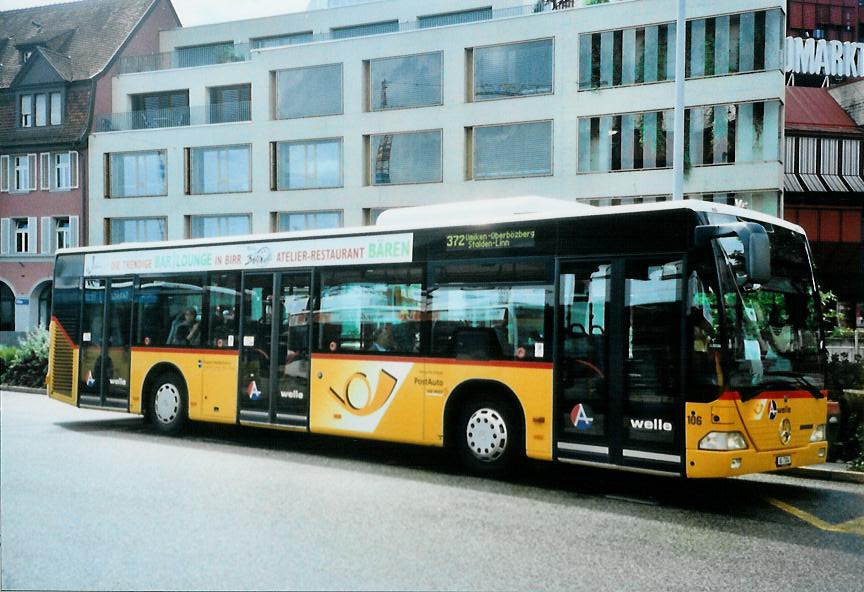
(784, 461)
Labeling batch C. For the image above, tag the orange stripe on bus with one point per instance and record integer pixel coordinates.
(63, 331)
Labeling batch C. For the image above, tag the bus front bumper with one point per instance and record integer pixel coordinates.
(716, 463)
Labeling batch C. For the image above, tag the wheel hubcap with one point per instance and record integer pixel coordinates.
(167, 404)
(486, 434)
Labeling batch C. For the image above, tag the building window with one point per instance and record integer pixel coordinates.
(56, 108)
(62, 236)
(26, 110)
(215, 226)
(455, 18)
(413, 157)
(513, 70)
(729, 44)
(309, 92)
(230, 103)
(308, 164)
(162, 109)
(22, 235)
(40, 109)
(715, 134)
(365, 30)
(371, 215)
(7, 308)
(282, 40)
(219, 169)
(137, 174)
(136, 230)
(317, 220)
(632, 141)
(205, 55)
(513, 150)
(65, 170)
(23, 172)
(410, 81)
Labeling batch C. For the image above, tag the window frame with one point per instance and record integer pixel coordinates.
(370, 168)
(109, 176)
(274, 85)
(190, 169)
(473, 152)
(472, 78)
(370, 107)
(275, 164)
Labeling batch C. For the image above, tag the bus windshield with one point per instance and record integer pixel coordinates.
(773, 333)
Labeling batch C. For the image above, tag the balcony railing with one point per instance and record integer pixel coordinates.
(240, 52)
(175, 117)
(187, 57)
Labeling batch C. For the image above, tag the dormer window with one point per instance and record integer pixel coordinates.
(40, 109)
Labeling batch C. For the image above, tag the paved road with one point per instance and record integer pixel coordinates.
(94, 500)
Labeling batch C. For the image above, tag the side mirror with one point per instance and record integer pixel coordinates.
(757, 246)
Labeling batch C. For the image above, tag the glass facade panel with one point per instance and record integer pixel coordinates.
(137, 174)
(220, 169)
(136, 230)
(513, 70)
(454, 18)
(406, 158)
(281, 40)
(411, 81)
(365, 30)
(312, 164)
(716, 134)
(728, 44)
(214, 226)
(517, 150)
(296, 221)
(309, 92)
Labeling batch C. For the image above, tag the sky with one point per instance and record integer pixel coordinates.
(201, 12)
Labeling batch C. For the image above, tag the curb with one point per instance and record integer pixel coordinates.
(23, 389)
(826, 474)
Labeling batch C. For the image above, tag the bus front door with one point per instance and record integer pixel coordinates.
(274, 351)
(105, 342)
(618, 372)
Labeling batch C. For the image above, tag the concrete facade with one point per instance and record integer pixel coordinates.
(454, 117)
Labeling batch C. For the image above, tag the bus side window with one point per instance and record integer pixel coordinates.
(169, 311)
(223, 299)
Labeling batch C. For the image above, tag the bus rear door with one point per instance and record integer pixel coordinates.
(274, 351)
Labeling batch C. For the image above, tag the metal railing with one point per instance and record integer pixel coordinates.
(186, 57)
(175, 117)
(206, 55)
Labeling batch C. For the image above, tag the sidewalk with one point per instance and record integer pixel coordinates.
(835, 471)
(23, 389)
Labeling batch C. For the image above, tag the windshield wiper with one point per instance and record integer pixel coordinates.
(803, 382)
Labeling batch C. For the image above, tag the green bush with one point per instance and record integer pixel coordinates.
(26, 365)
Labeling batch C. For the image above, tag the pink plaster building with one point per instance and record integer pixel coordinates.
(56, 66)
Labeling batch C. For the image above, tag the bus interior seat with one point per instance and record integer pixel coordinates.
(475, 343)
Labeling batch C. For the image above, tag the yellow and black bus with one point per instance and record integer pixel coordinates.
(674, 338)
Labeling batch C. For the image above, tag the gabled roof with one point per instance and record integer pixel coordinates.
(77, 38)
(815, 110)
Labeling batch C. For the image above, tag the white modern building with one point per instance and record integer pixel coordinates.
(327, 117)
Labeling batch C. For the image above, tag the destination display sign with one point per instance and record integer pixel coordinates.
(497, 239)
(346, 250)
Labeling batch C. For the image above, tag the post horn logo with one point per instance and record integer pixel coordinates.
(357, 397)
(785, 431)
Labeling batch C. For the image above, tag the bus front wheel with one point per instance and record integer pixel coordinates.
(167, 403)
(490, 437)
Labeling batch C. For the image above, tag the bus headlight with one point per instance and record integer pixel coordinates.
(818, 433)
(723, 441)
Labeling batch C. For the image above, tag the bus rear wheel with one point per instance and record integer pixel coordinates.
(167, 403)
(490, 437)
